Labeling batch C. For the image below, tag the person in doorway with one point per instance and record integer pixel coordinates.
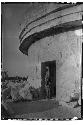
(47, 82)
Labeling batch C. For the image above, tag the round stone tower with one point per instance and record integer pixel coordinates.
(52, 32)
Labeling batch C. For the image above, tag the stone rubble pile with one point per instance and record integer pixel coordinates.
(20, 91)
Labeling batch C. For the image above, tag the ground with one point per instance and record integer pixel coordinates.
(60, 112)
(45, 109)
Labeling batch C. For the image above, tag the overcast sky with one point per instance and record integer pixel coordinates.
(14, 61)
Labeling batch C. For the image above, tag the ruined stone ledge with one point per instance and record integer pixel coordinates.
(28, 41)
(60, 15)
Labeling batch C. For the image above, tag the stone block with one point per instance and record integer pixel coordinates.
(15, 94)
(25, 93)
(6, 93)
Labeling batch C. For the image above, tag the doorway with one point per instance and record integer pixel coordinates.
(52, 76)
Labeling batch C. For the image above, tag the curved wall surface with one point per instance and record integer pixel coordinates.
(56, 35)
(60, 19)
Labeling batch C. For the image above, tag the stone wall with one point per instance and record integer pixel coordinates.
(44, 16)
(65, 48)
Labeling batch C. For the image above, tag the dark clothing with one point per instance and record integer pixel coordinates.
(47, 84)
(47, 87)
(47, 91)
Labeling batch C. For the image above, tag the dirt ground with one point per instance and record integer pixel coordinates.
(44, 109)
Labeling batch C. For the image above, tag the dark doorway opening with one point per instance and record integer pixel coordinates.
(52, 76)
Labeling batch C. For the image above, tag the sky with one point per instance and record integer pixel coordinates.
(14, 61)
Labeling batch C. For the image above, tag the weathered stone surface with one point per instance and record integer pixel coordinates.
(65, 48)
(15, 94)
(15, 88)
(53, 19)
(6, 93)
(25, 93)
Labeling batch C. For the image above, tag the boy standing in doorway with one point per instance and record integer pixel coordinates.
(47, 82)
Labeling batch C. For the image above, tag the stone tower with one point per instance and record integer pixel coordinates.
(52, 32)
